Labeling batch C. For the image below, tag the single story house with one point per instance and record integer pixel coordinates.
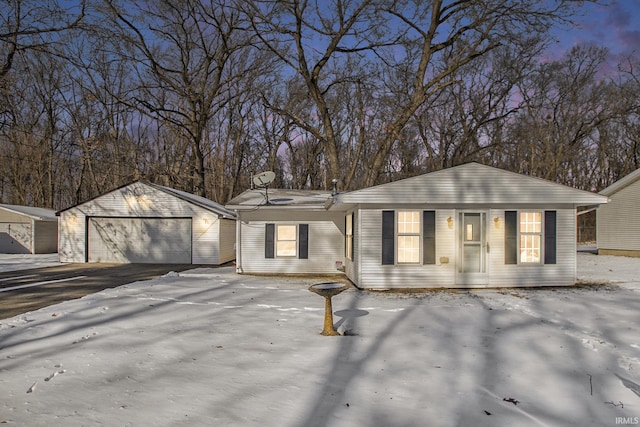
(618, 222)
(28, 230)
(147, 223)
(466, 226)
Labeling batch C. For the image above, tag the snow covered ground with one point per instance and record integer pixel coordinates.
(209, 347)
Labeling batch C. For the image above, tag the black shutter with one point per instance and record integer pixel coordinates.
(388, 237)
(269, 240)
(429, 237)
(549, 237)
(353, 237)
(510, 237)
(303, 241)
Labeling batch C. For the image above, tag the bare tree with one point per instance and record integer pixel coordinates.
(566, 105)
(418, 47)
(189, 54)
(34, 25)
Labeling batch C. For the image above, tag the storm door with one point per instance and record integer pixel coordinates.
(472, 244)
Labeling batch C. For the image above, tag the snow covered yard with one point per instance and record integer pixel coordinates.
(209, 347)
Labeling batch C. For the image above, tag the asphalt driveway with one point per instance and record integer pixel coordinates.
(27, 290)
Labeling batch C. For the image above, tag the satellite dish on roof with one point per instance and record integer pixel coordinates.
(264, 179)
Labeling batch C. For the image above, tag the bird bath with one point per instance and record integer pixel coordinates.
(327, 290)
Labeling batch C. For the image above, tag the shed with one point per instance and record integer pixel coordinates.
(618, 222)
(28, 230)
(147, 223)
(467, 226)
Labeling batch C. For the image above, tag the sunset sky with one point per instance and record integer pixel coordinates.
(616, 26)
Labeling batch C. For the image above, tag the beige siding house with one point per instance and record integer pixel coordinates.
(467, 226)
(28, 230)
(147, 223)
(618, 222)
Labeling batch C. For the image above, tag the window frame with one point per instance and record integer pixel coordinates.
(277, 240)
(417, 235)
(539, 234)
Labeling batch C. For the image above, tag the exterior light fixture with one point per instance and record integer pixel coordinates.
(450, 222)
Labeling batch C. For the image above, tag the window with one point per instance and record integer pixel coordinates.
(530, 237)
(286, 242)
(348, 244)
(525, 236)
(408, 237)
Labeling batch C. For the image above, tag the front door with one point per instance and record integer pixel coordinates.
(472, 252)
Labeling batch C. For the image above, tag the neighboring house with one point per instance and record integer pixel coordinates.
(618, 222)
(467, 226)
(28, 230)
(147, 223)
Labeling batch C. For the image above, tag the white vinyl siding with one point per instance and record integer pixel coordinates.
(373, 275)
(140, 201)
(24, 234)
(562, 273)
(619, 221)
(470, 184)
(45, 237)
(326, 242)
(227, 241)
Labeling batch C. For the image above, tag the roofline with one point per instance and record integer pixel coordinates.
(36, 217)
(221, 210)
(354, 192)
(621, 183)
(225, 213)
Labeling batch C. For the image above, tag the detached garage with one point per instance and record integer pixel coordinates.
(147, 223)
(618, 222)
(28, 230)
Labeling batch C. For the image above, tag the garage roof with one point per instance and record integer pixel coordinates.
(621, 183)
(188, 197)
(40, 214)
(196, 200)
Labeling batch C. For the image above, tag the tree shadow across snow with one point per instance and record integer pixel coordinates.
(481, 358)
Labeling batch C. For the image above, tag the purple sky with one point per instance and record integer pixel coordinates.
(616, 26)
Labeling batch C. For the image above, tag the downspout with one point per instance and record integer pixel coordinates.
(238, 242)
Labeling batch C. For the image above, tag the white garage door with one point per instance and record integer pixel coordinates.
(140, 240)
